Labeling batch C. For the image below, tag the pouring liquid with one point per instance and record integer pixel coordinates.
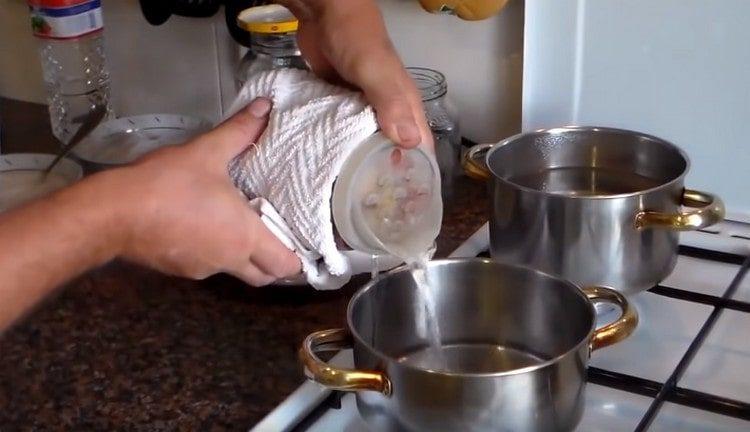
(396, 206)
(432, 356)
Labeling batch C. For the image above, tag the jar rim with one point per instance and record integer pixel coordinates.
(275, 45)
(431, 83)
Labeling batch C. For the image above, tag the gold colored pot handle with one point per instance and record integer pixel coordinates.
(331, 376)
(473, 162)
(622, 327)
(710, 210)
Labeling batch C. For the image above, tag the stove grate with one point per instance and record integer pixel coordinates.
(704, 401)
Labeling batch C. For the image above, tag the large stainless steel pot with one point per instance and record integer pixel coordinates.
(517, 343)
(596, 206)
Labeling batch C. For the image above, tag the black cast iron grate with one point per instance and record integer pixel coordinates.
(667, 391)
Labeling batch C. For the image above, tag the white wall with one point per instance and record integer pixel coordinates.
(185, 66)
(482, 61)
(20, 74)
(677, 69)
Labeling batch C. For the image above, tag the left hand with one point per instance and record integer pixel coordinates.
(180, 213)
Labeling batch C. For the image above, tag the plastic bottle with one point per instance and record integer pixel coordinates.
(71, 46)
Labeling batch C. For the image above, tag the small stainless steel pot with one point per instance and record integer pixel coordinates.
(517, 343)
(596, 206)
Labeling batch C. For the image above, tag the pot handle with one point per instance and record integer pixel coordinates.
(622, 327)
(333, 377)
(473, 163)
(710, 210)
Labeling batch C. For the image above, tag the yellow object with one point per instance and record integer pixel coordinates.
(473, 162)
(618, 330)
(270, 19)
(710, 210)
(334, 377)
(470, 10)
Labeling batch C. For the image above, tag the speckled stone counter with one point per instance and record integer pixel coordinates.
(126, 348)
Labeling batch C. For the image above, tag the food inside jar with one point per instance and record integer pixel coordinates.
(395, 198)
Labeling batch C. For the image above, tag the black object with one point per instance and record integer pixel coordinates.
(157, 12)
(704, 401)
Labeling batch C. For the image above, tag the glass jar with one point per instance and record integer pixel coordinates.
(442, 118)
(386, 209)
(386, 200)
(273, 41)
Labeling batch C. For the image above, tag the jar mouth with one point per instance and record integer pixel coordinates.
(275, 45)
(430, 83)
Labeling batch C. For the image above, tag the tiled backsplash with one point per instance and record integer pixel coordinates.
(186, 65)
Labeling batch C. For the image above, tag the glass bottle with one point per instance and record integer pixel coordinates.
(442, 118)
(273, 41)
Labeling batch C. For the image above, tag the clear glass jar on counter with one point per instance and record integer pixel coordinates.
(442, 118)
(273, 41)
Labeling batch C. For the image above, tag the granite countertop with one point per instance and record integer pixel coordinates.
(126, 348)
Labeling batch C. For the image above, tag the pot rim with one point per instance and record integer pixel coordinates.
(389, 359)
(573, 128)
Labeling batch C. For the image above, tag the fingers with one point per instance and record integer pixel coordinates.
(269, 260)
(244, 128)
(388, 87)
(269, 254)
(309, 45)
(353, 39)
(390, 91)
(418, 110)
(251, 275)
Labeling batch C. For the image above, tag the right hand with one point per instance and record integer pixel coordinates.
(347, 39)
(178, 211)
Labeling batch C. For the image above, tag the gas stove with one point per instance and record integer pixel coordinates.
(684, 368)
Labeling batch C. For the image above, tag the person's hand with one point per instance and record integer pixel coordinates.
(182, 215)
(347, 39)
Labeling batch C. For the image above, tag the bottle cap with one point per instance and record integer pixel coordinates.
(387, 199)
(269, 19)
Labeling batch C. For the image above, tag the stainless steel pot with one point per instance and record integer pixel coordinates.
(596, 206)
(517, 343)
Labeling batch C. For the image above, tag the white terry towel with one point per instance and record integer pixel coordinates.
(312, 128)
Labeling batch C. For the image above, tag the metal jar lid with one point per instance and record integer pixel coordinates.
(270, 19)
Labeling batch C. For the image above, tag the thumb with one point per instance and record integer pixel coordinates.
(239, 131)
(394, 96)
